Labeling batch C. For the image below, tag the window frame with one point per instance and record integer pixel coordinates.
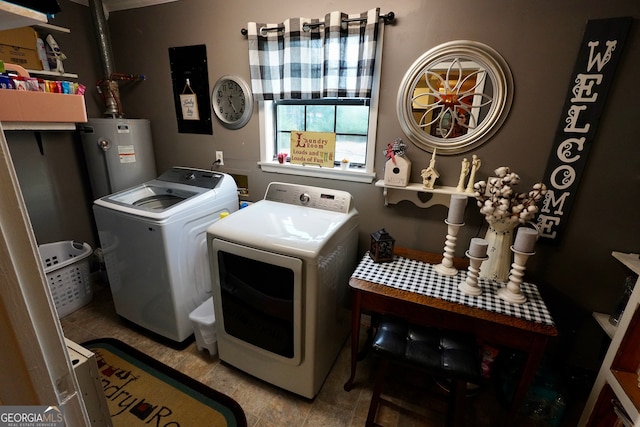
(335, 104)
(365, 174)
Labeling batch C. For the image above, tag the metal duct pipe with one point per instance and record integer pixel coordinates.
(108, 88)
(102, 37)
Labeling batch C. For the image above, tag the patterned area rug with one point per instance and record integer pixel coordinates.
(141, 391)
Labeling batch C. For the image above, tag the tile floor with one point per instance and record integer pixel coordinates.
(268, 406)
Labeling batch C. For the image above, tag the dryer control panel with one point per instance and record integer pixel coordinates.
(312, 197)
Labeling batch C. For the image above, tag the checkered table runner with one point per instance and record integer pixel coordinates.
(420, 277)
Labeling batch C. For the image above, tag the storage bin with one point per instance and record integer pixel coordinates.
(66, 265)
(25, 106)
(204, 327)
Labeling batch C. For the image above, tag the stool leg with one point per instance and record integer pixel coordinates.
(457, 403)
(370, 332)
(377, 391)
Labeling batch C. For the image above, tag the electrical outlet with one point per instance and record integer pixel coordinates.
(219, 158)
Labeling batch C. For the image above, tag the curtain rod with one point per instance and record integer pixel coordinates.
(387, 19)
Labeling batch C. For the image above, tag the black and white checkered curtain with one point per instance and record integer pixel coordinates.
(334, 59)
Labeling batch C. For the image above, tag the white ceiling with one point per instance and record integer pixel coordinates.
(114, 5)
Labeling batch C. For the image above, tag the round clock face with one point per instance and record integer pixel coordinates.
(232, 101)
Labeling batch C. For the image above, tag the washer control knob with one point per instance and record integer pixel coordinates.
(304, 198)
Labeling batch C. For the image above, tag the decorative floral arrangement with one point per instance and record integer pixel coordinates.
(502, 202)
(397, 148)
(345, 160)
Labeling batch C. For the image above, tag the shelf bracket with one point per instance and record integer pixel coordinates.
(415, 193)
(38, 136)
(394, 196)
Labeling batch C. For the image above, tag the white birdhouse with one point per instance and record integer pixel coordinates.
(397, 171)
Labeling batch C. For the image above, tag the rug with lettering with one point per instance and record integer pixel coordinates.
(143, 391)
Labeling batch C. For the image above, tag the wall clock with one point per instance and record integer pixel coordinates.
(232, 101)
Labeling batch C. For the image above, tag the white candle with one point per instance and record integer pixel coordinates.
(525, 239)
(478, 247)
(456, 209)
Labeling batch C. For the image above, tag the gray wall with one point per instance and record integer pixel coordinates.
(539, 40)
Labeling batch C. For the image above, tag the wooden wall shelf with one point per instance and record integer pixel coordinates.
(14, 16)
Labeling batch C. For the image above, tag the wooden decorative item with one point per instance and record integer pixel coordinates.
(430, 174)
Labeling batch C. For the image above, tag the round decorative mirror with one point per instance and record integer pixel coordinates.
(455, 97)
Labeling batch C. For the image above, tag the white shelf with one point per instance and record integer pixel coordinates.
(14, 16)
(632, 261)
(603, 321)
(34, 126)
(51, 27)
(52, 74)
(440, 195)
(605, 374)
(621, 395)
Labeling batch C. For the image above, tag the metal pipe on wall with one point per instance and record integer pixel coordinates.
(107, 87)
(102, 37)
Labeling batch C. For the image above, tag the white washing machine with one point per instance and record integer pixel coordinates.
(280, 271)
(153, 238)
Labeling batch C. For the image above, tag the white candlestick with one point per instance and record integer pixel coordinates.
(512, 292)
(469, 286)
(525, 240)
(456, 208)
(478, 247)
(446, 266)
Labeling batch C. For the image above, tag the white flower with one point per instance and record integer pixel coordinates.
(502, 171)
(500, 201)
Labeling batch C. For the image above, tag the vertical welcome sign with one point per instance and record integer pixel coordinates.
(593, 73)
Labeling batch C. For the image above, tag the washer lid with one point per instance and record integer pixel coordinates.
(175, 191)
(155, 199)
(281, 227)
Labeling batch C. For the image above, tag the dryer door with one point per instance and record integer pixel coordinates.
(257, 300)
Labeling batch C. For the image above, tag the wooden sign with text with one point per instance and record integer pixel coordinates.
(592, 76)
(313, 148)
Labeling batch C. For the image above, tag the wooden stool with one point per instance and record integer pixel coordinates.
(443, 354)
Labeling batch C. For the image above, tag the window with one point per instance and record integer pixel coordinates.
(347, 118)
(354, 120)
(341, 98)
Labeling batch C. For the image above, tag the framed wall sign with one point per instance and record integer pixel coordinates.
(593, 74)
(190, 79)
(189, 103)
(313, 148)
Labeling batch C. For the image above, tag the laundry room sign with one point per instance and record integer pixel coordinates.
(592, 77)
(189, 103)
(313, 148)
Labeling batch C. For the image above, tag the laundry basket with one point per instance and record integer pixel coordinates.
(66, 265)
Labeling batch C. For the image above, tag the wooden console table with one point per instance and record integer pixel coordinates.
(525, 327)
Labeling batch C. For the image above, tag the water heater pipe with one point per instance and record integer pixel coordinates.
(108, 88)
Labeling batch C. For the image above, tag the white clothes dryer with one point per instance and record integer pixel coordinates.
(280, 270)
(153, 238)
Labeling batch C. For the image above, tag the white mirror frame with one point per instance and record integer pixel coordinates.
(460, 51)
